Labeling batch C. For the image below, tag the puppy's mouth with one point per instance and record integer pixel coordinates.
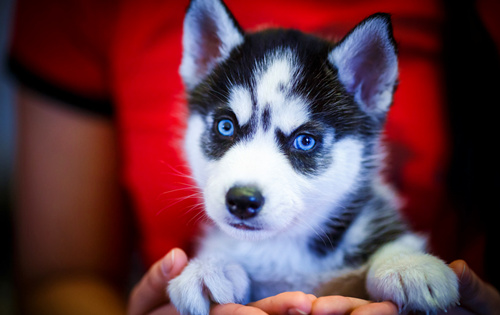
(244, 226)
(250, 230)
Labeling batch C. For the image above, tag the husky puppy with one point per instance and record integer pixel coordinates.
(283, 140)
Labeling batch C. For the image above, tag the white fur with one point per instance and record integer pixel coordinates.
(240, 102)
(278, 264)
(288, 194)
(238, 265)
(403, 273)
(261, 164)
(197, 162)
(275, 78)
(344, 57)
(326, 191)
(227, 32)
(208, 279)
(277, 258)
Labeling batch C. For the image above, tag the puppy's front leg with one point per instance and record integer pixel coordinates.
(206, 280)
(403, 273)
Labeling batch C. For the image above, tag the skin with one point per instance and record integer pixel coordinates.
(68, 222)
(477, 297)
(144, 300)
(70, 231)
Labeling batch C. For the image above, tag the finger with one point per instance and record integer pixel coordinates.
(469, 284)
(456, 311)
(164, 310)
(380, 308)
(286, 303)
(235, 309)
(475, 295)
(151, 292)
(335, 305)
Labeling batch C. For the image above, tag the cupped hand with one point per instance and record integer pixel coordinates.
(476, 296)
(149, 296)
(298, 303)
(288, 303)
(341, 305)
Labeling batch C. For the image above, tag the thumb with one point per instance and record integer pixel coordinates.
(475, 295)
(150, 292)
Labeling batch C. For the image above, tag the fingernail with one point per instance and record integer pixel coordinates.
(167, 263)
(296, 311)
(463, 271)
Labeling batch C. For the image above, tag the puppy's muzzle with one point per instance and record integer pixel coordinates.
(244, 202)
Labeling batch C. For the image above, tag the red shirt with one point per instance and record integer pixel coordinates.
(95, 53)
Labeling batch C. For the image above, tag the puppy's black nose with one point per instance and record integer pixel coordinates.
(244, 202)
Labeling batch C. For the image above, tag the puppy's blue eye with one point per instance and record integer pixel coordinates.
(304, 142)
(225, 127)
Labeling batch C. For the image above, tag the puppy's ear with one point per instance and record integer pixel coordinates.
(367, 64)
(210, 33)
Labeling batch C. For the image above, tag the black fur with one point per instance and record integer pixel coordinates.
(385, 226)
(331, 106)
(266, 118)
(334, 115)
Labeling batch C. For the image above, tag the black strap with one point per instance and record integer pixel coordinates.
(100, 106)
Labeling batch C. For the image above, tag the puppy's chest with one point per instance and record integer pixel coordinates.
(276, 266)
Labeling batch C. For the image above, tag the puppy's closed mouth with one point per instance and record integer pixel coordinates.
(244, 226)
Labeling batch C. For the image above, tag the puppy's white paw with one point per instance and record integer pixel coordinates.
(415, 282)
(205, 281)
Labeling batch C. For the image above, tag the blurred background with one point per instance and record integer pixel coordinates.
(6, 160)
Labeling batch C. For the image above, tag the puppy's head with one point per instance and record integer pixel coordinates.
(283, 126)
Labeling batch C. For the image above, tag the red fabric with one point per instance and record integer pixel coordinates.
(489, 11)
(66, 42)
(130, 51)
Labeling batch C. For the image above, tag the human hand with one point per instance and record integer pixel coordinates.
(476, 296)
(342, 305)
(298, 303)
(287, 303)
(149, 296)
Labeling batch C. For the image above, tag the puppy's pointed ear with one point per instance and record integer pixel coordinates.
(367, 64)
(210, 33)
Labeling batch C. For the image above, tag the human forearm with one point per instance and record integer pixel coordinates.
(69, 222)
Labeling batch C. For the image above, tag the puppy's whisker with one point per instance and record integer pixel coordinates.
(181, 189)
(200, 216)
(178, 200)
(321, 234)
(173, 171)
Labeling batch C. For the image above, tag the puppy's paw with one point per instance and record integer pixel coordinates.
(415, 282)
(205, 281)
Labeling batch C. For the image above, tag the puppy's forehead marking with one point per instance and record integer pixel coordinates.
(274, 81)
(274, 101)
(277, 103)
(240, 101)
